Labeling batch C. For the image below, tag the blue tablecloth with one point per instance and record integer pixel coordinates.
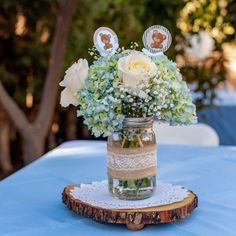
(31, 198)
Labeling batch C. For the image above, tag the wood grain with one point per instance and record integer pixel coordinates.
(135, 219)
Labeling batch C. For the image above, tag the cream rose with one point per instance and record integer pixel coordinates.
(134, 68)
(73, 82)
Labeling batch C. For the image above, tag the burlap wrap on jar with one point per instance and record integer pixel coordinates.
(132, 163)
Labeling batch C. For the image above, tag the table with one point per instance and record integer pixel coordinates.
(31, 198)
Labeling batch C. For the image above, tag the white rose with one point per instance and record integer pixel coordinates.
(73, 82)
(134, 68)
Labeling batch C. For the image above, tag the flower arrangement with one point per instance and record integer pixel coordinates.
(127, 83)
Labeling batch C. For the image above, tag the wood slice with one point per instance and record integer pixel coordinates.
(135, 219)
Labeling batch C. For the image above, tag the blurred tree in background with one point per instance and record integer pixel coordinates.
(24, 61)
(27, 36)
(22, 29)
(217, 19)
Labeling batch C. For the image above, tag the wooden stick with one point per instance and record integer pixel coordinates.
(123, 141)
(139, 141)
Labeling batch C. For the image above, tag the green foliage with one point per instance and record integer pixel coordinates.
(210, 15)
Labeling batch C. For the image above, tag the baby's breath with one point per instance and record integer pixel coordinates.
(105, 101)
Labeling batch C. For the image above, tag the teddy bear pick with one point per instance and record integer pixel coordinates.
(105, 41)
(156, 40)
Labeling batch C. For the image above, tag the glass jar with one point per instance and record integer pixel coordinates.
(132, 160)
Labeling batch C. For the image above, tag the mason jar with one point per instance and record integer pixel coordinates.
(132, 160)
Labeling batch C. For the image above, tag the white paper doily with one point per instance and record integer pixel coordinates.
(97, 194)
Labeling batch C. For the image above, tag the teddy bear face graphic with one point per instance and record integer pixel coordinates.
(157, 38)
(106, 39)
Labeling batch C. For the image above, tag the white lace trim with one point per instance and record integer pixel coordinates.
(97, 194)
(131, 162)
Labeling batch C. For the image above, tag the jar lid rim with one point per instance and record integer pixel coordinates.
(138, 121)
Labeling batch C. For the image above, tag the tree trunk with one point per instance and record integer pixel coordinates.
(34, 134)
(50, 91)
(52, 142)
(5, 157)
(5, 130)
(71, 124)
(33, 147)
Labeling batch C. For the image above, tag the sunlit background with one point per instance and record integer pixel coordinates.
(203, 47)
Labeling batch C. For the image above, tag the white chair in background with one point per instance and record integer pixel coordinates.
(195, 135)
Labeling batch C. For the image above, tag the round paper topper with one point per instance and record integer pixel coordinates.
(156, 39)
(105, 41)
